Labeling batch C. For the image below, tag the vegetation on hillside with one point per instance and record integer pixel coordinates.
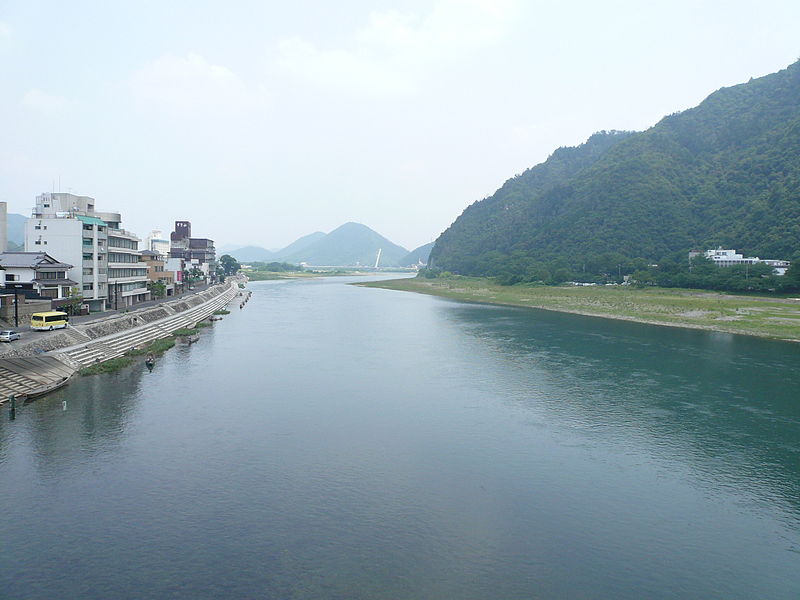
(726, 173)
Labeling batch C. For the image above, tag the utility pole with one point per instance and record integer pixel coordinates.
(16, 309)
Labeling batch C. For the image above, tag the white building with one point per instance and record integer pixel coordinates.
(69, 229)
(157, 242)
(38, 272)
(127, 274)
(729, 258)
(176, 266)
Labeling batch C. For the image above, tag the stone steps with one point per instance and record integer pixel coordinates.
(23, 376)
(37, 374)
(116, 345)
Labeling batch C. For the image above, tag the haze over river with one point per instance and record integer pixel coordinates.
(330, 441)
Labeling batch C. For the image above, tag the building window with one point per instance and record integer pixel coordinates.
(51, 275)
(88, 286)
(87, 257)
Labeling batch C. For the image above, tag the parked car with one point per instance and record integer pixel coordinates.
(9, 336)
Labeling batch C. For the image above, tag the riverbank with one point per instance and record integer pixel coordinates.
(270, 275)
(777, 318)
(108, 339)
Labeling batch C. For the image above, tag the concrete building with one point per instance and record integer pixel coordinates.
(157, 272)
(36, 274)
(69, 228)
(730, 258)
(127, 275)
(197, 253)
(176, 266)
(157, 242)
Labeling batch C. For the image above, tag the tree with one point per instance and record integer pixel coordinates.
(229, 264)
(75, 301)
(158, 289)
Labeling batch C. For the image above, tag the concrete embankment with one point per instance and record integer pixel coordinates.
(27, 372)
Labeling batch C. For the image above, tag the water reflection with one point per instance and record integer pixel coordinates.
(75, 424)
(336, 442)
(724, 404)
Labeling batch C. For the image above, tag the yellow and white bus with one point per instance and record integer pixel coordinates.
(47, 321)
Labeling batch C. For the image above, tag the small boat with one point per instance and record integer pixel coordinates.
(150, 362)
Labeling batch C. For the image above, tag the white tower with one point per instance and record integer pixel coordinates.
(378, 259)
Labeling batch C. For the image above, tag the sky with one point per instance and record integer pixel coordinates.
(263, 121)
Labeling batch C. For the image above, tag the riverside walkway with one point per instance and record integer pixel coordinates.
(32, 375)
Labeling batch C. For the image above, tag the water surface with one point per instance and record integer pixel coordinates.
(330, 441)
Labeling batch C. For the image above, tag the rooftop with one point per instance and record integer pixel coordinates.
(30, 260)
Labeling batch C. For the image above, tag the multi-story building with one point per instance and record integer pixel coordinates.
(68, 227)
(156, 271)
(176, 266)
(127, 275)
(730, 258)
(157, 242)
(36, 273)
(197, 253)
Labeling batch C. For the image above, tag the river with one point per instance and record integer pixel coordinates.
(331, 441)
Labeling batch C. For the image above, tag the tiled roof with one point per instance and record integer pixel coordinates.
(30, 260)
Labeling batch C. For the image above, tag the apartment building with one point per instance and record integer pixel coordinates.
(127, 275)
(104, 256)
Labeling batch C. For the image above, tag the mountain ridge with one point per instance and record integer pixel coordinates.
(350, 244)
(725, 172)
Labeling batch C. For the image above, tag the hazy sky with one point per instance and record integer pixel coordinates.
(263, 121)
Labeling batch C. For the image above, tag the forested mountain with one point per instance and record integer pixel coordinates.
(349, 245)
(726, 173)
(415, 256)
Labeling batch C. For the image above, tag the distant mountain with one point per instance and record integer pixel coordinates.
(415, 256)
(252, 254)
(299, 244)
(349, 245)
(724, 173)
(16, 229)
(12, 247)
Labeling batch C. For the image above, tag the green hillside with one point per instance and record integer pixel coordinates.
(726, 173)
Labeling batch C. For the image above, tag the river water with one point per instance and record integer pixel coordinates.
(331, 441)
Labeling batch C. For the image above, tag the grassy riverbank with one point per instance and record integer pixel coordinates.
(156, 347)
(749, 315)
